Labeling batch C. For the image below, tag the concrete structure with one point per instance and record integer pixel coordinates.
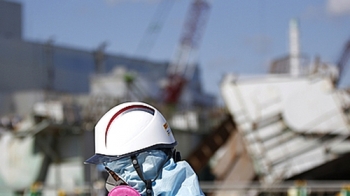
(10, 20)
(294, 47)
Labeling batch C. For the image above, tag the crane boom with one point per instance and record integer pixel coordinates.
(195, 22)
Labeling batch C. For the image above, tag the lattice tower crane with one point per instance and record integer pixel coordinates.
(179, 71)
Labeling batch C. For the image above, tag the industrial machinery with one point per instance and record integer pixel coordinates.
(180, 69)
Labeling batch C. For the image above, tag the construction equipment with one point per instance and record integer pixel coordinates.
(179, 71)
(151, 34)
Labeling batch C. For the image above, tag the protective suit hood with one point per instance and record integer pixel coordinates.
(172, 178)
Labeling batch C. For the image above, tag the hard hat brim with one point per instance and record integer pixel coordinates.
(102, 158)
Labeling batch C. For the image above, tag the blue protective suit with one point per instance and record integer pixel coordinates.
(174, 179)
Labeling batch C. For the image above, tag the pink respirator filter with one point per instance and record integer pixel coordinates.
(123, 190)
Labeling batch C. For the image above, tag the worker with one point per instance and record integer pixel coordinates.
(136, 146)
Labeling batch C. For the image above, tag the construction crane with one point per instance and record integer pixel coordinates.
(154, 28)
(342, 63)
(179, 70)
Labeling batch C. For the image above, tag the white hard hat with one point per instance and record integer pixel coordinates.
(130, 128)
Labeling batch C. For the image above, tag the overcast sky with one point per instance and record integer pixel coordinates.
(240, 37)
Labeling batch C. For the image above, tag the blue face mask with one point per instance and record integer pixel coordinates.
(168, 177)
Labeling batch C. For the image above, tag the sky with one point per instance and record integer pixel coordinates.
(240, 37)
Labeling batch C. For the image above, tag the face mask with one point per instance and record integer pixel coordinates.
(174, 178)
(122, 171)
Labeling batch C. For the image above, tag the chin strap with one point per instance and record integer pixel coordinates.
(176, 155)
(148, 182)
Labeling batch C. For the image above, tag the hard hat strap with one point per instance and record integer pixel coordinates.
(148, 182)
(176, 155)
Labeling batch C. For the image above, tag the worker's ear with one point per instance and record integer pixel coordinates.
(176, 156)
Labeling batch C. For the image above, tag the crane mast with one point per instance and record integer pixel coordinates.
(180, 67)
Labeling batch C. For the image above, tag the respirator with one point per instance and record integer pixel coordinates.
(123, 190)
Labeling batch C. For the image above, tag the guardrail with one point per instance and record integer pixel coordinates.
(211, 188)
(289, 188)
